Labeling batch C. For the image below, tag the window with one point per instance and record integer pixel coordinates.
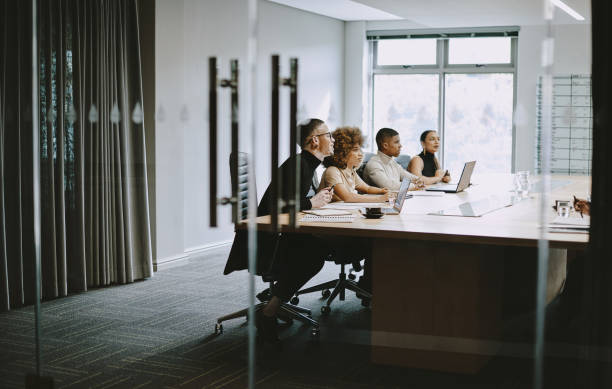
(460, 84)
(406, 52)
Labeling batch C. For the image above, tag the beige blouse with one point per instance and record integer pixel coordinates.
(348, 177)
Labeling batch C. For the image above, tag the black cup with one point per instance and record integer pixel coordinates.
(373, 213)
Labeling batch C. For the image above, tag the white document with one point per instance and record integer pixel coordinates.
(574, 222)
(328, 219)
(426, 193)
(342, 205)
(327, 212)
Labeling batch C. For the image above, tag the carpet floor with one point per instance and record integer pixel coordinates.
(159, 333)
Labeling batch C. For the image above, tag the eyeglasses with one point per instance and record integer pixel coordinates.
(328, 134)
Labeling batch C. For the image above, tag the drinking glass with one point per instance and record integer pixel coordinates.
(563, 210)
(522, 183)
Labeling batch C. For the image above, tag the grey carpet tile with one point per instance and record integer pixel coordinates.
(158, 333)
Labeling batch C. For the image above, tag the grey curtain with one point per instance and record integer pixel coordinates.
(95, 227)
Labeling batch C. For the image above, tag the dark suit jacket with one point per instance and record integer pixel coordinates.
(271, 245)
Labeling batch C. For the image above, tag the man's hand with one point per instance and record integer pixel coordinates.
(582, 206)
(418, 182)
(322, 198)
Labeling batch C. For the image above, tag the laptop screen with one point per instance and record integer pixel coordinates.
(401, 195)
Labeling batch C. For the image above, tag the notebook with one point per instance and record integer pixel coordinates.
(327, 212)
(328, 219)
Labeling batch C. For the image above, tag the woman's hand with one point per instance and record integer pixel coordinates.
(383, 198)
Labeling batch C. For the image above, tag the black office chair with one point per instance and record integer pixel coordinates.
(339, 285)
(364, 162)
(287, 312)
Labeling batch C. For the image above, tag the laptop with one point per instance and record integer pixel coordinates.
(399, 201)
(464, 181)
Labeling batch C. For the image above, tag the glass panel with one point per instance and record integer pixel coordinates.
(478, 122)
(408, 103)
(478, 50)
(407, 52)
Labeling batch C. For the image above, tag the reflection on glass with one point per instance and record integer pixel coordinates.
(478, 50)
(478, 121)
(407, 103)
(407, 52)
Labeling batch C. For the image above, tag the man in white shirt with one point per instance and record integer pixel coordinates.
(382, 170)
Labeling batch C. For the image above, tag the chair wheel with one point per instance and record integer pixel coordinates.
(218, 328)
(326, 293)
(352, 276)
(325, 310)
(315, 332)
(295, 300)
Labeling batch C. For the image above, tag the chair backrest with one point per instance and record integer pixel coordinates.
(243, 183)
(403, 160)
(366, 158)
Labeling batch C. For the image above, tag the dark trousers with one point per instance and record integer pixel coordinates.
(303, 257)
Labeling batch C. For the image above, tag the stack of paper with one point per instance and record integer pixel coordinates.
(327, 212)
(575, 225)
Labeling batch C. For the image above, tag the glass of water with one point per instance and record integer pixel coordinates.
(563, 210)
(522, 183)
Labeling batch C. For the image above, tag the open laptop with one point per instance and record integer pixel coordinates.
(464, 181)
(399, 201)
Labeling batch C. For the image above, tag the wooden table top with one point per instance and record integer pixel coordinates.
(516, 225)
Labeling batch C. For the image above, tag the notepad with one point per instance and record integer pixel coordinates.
(327, 212)
(328, 219)
(570, 225)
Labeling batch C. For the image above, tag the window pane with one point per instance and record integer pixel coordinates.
(407, 103)
(407, 52)
(478, 122)
(478, 50)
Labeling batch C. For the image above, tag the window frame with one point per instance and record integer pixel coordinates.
(442, 68)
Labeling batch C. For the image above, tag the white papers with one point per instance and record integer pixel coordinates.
(574, 225)
(341, 205)
(327, 212)
(583, 222)
(328, 219)
(426, 193)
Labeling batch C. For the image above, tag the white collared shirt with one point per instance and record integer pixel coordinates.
(384, 172)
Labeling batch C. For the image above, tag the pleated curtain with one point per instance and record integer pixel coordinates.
(95, 228)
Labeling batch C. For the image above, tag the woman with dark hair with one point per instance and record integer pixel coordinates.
(341, 170)
(426, 165)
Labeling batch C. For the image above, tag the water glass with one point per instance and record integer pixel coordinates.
(563, 210)
(522, 183)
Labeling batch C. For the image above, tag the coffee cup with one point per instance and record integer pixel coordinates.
(373, 211)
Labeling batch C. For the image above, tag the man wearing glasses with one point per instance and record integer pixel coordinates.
(301, 256)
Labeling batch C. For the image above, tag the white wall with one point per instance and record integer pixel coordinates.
(187, 33)
(572, 55)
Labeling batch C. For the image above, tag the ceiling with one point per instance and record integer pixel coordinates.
(443, 13)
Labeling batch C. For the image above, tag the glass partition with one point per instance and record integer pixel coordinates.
(160, 129)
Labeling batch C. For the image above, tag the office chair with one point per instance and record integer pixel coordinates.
(339, 285)
(287, 312)
(403, 160)
(364, 162)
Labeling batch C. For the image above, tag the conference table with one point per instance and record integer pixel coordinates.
(445, 286)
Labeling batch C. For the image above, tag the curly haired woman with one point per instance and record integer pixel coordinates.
(341, 168)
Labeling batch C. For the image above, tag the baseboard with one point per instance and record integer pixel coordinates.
(189, 253)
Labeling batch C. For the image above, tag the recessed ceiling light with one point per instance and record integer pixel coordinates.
(567, 9)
